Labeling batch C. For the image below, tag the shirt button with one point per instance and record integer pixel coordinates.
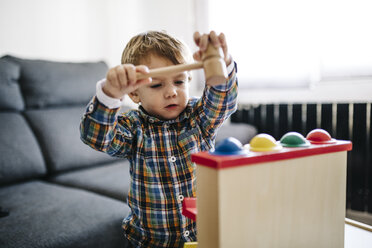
(180, 198)
(91, 107)
(172, 159)
(186, 233)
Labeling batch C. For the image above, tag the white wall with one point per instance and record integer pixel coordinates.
(64, 30)
(89, 30)
(80, 30)
(127, 18)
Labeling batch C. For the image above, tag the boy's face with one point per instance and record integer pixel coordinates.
(166, 97)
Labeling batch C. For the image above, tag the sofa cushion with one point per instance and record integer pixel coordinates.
(47, 215)
(21, 156)
(10, 93)
(57, 130)
(48, 83)
(111, 179)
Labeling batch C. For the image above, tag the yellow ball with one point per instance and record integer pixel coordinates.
(264, 143)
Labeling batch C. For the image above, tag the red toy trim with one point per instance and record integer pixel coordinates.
(221, 162)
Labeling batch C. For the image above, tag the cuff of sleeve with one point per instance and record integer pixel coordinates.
(230, 67)
(109, 102)
(100, 113)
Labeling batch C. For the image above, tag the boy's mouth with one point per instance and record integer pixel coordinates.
(171, 106)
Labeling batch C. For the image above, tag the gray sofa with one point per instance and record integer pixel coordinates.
(54, 190)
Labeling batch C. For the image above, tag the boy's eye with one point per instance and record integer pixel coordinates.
(179, 82)
(155, 86)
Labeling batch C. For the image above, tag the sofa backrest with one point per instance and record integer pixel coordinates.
(48, 83)
(50, 97)
(20, 154)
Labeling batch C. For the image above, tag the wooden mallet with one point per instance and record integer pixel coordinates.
(212, 61)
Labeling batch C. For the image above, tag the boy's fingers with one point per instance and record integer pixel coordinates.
(141, 82)
(131, 74)
(112, 78)
(222, 40)
(142, 69)
(204, 39)
(214, 39)
(197, 55)
(121, 75)
(197, 38)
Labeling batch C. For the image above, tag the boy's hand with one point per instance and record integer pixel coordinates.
(122, 80)
(202, 41)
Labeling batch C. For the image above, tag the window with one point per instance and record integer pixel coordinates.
(295, 43)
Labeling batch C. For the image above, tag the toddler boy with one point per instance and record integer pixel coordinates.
(159, 137)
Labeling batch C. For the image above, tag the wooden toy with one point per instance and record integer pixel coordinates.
(189, 208)
(288, 197)
(190, 245)
(214, 67)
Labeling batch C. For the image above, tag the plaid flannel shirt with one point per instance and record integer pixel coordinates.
(159, 152)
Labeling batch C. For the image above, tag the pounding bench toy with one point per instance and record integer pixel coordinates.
(213, 64)
(289, 193)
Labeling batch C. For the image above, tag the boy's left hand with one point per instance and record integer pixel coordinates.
(202, 40)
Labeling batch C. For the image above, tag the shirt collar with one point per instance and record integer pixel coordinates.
(152, 119)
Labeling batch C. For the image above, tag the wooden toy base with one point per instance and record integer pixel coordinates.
(289, 203)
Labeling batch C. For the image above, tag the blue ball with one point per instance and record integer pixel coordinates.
(229, 146)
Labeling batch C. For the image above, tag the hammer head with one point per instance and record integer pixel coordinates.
(214, 66)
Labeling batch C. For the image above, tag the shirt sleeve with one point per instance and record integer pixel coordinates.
(109, 102)
(103, 131)
(218, 103)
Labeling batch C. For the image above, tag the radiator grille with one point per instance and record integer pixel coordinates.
(344, 121)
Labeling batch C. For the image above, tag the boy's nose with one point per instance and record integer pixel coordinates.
(170, 91)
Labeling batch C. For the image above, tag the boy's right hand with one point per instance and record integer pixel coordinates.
(122, 80)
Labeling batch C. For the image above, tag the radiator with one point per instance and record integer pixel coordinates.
(344, 121)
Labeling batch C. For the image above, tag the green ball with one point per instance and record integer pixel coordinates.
(294, 139)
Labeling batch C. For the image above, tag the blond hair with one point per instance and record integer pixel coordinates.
(159, 43)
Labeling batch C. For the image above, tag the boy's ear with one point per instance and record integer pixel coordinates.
(135, 97)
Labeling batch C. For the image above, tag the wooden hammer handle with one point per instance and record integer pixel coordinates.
(170, 70)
